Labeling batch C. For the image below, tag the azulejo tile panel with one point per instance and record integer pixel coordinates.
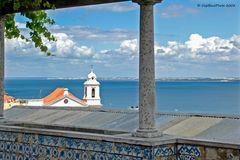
(26, 146)
(189, 152)
(186, 157)
(174, 157)
(36, 146)
(163, 151)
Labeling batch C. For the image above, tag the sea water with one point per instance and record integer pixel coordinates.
(201, 97)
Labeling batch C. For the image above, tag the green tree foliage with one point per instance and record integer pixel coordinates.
(37, 22)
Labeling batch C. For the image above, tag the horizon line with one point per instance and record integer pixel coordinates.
(125, 77)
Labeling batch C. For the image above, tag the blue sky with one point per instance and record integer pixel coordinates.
(190, 41)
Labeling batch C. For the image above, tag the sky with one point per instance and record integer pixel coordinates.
(193, 38)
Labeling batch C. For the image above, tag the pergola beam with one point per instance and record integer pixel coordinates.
(58, 4)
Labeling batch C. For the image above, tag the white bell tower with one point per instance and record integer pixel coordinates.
(92, 91)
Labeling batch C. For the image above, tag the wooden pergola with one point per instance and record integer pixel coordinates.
(147, 96)
(58, 4)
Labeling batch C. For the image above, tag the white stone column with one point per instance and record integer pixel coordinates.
(1, 65)
(147, 95)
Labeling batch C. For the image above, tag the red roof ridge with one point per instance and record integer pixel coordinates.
(8, 99)
(75, 98)
(58, 94)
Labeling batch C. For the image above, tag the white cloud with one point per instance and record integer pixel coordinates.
(63, 47)
(235, 40)
(177, 10)
(21, 25)
(202, 49)
(119, 48)
(95, 34)
(19, 46)
(129, 47)
(196, 49)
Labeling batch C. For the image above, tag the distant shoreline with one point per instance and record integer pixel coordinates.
(187, 79)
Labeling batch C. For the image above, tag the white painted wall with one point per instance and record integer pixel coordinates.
(89, 92)
(89, 84)
(70, 103)
(35, 102)
(96, 101)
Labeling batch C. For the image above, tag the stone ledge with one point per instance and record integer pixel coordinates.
(125, 138)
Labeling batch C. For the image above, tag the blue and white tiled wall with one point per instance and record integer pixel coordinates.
(26, 146)
(189, 152)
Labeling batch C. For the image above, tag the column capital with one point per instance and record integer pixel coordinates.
(147, 2)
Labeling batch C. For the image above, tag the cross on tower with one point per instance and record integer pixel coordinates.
(91, 68)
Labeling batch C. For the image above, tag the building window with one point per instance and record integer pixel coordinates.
(93, 92)
(65, 101)
(85, 92)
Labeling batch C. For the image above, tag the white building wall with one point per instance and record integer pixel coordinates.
(35, 102)
(70, 103)
(97, 92)
(96, 101)
(88, 92)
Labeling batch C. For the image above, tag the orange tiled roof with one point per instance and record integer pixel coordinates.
(57, 94)
(8, 99)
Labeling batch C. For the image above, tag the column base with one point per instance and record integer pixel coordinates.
(146, 133)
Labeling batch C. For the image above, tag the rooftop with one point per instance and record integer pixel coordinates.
(59, 93)
(202, 127)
